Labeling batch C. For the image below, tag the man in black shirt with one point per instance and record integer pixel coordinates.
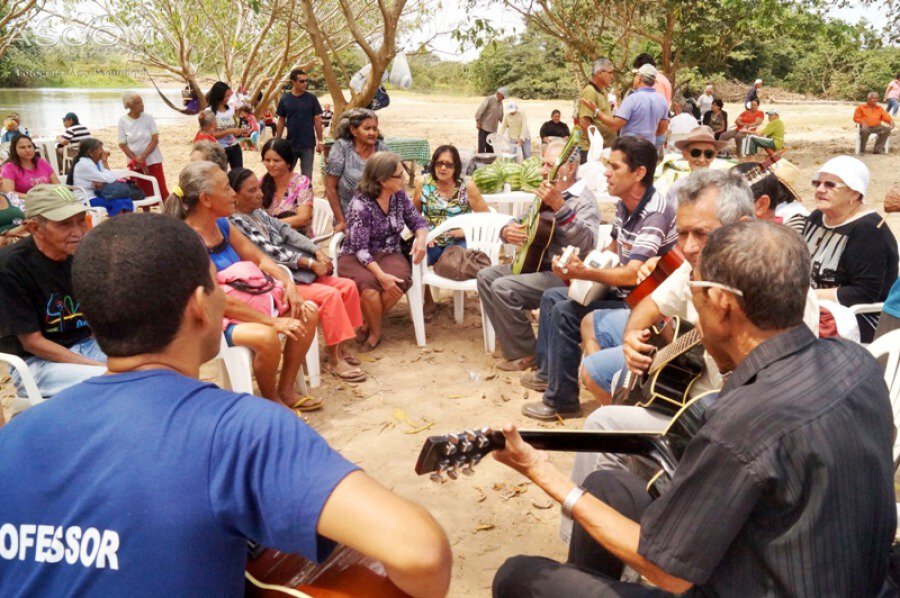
(40, 318)
(787, 489)
(300, 111)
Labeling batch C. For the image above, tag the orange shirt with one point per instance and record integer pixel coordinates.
(748, 117)
(871, 117)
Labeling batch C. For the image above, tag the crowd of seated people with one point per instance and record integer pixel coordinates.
(251, 276)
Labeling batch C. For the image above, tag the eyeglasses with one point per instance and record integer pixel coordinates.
(442, 164)
(708, 154)
(713, 285)
(829, 185)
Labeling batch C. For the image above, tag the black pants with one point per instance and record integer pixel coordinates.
(235, 156)
(591, 570)
(483, 146)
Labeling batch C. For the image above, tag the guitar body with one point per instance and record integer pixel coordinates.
(666, 387)
(539, 226)
(345, 574)
(540, 223)
(668, 263)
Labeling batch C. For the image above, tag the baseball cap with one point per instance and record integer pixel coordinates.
(772, 111)
(53, 202)
(647, 70)
(70, 116)
(504, 92)
(853, 172)
(512, 107)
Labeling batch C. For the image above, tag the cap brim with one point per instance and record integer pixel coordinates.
(61, 213)
(683, 143)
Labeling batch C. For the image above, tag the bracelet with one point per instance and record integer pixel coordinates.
(572, 498)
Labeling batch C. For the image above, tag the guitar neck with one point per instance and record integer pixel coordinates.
(677, 347)
(652, 445)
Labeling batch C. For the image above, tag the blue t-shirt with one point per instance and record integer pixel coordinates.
(892, 303)
(300, 112)
(226, 255)
(643, 109)
(149, 483)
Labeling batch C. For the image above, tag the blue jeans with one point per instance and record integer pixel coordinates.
(434, 253)
(113, 206)
(893, 104)
(559, 345)
(602, 366)
(52, 377)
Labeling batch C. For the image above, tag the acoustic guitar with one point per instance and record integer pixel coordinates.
(452, 454)
(668, 263)
(540, 222)
(344, 574)
(677, 363)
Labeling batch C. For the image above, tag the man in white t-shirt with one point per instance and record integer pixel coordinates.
(680, 125)
(704, 102)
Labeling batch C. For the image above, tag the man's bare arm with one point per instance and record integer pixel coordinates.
(371, 519)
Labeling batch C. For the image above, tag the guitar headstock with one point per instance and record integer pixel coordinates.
(457, 453)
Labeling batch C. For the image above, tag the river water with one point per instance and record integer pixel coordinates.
(42, 109)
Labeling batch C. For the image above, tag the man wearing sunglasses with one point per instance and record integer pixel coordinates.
(299, 111)
(699, 149)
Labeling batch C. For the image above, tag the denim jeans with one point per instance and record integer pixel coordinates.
(893, 104)
(307, 158)
(559, 345)
(52, 377)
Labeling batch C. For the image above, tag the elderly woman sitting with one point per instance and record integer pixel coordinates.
(336, 298)
(204, 200)
(139, 141)
(854, 253)
(371, 255)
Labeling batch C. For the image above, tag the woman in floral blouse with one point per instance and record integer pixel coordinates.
(371, 254)
(287, 195)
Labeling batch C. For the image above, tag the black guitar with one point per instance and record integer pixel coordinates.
(677, 363)
(453, 454)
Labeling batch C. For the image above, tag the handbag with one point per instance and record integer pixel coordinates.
(121, 190)
(248, 284)
(459, 263)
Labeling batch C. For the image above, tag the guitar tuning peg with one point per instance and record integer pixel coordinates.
(481, 441)
(452, 474)
(468, 470)
(465, 446)
(436, 477)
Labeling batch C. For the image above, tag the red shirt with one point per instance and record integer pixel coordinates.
(748, 117)
(201, 136)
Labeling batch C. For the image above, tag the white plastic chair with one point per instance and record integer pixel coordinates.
(844, 319)
(889, 346)
(501, 148)
(413, 295)
(46, 147)
(322, 219)
(151, 201)
(28, 384)
(604, 236)
(858, 146)
(482, 230)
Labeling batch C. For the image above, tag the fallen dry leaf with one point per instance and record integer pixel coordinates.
(484, 527)
(505, 397)
(542, 504)
(491, 376)
(481, 495)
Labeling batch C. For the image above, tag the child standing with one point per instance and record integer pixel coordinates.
(207, 122)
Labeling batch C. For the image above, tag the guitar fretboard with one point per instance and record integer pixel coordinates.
(675, 348)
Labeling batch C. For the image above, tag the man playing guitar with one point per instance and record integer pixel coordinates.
(146, 481)
(786, 489)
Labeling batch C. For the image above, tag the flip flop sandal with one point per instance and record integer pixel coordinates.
(353, 375)
(308, 403)
(368, 347)
(352, 360)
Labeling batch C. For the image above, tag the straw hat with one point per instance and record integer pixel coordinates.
(788, 175)
(702, 134)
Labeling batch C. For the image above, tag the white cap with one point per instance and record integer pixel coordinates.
(504, 92)
(853, 172)
(512, 107)
(648, 70)
(758, 82)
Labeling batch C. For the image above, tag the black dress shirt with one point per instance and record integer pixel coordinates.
(787, 490)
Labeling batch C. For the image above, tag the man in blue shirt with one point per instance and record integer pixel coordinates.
(300, 111)
(643, 113)
(146, 481)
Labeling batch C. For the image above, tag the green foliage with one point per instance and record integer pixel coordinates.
(532, 66)
(431, 74)
(29, 65)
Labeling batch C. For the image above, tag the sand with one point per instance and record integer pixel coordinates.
(451, 384)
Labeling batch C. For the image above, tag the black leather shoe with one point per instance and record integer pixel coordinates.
(539, 410)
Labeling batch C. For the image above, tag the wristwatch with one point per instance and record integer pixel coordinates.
(572, 498)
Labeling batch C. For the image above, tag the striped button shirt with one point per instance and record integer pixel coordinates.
(787, 490)
(646, 232)
(76, 133)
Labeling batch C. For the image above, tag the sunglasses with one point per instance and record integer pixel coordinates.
(708, 154)
(442, 164)
(829, 185)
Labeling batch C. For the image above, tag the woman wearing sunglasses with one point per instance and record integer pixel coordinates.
(443, 194)
(854, 253)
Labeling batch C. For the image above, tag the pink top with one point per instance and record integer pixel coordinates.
(893, 90)
(26, 179)
(298, 193)
(663, 87)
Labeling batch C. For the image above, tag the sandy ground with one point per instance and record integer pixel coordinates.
(451, 384)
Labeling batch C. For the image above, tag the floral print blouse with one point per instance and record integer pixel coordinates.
(371, 231)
